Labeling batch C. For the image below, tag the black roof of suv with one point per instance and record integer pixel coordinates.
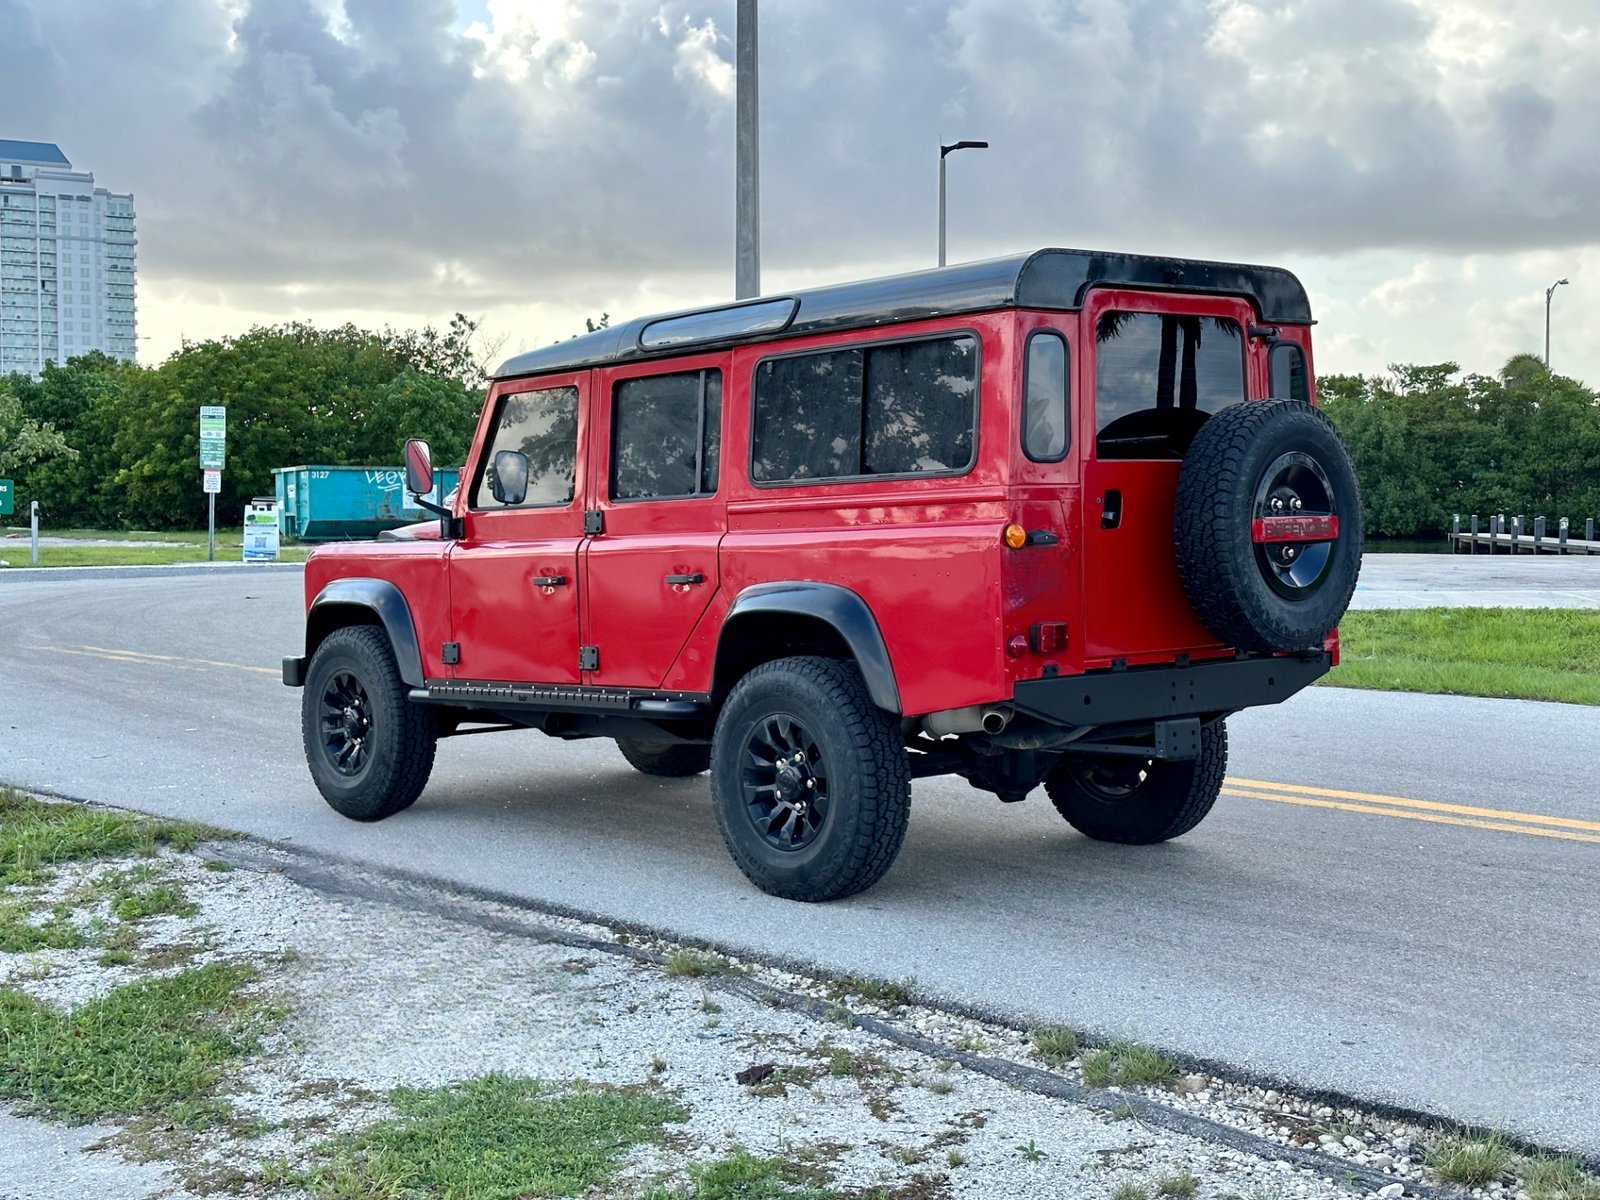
(1050, 279)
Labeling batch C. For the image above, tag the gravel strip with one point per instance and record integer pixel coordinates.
(391, 982)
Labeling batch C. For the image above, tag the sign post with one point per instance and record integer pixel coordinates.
(213, 453)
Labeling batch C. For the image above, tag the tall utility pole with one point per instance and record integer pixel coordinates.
(944, 153)
(747, 165)
(1549, 292)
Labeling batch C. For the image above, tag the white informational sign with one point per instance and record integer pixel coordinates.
(213, 482)
(261, 530)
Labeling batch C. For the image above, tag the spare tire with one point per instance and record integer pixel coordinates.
(1268, 526)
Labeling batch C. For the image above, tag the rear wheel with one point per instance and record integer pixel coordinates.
(670, 760)
(1138, 801)
(810, 780)
(370, 749)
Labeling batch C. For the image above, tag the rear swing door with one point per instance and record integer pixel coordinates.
(1156, 366)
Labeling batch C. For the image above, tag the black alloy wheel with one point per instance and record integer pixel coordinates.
(1295, 524)
(346, 724)
(784, 782)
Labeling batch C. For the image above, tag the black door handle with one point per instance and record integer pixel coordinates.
(1111, 509)
(549, 580)
(692, 577)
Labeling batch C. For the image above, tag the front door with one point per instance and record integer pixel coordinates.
(514, 579)
(652, 570)
(1157, 366)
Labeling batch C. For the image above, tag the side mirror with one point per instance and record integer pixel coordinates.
(509, 480)
(419, 467)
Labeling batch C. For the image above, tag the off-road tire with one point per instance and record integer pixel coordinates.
(1172, 798)
(1225, 575)
(670, 760)
(403, 736)
(865, 768)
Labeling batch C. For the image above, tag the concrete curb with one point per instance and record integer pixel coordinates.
(37, 574)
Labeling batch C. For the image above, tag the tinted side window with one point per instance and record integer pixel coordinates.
(666, 433)
(1287, 366)
(544, 426)
(901, 409)
(1045, 399)
(1157, 378)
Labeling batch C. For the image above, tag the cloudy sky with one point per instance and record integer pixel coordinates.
(1426, 166)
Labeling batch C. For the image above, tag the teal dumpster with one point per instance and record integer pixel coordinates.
(327, 504)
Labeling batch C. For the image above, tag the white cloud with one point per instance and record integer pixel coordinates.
(536, 161)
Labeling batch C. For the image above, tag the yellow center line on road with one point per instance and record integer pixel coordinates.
(134, 656)
(1287, 796)
(1461, 810)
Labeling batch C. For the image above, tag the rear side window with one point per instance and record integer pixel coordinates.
(1045, 399)
(908, 408)
(544, 426)
(1157, 378)
(1287, 367)
(666, 432)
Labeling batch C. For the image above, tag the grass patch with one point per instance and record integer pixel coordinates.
(883, 992)
(1182, 1185)
(742, 1176)
(156, 1047)
(1130, 1191)
(20, 935)
(498, 1137)
(1126, 1064)
(131, 556)
(1057, 1046)
(692, 964)
(35, 836)
(1525, 654)
(1470, 1161)
(1545, 1178)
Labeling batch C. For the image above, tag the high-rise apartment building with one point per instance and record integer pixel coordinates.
(66, 261)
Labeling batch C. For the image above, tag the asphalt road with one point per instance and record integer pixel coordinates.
(1398, 898)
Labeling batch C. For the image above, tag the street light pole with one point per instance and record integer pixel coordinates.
(1548, 293)
(747, 156)
(945, 152)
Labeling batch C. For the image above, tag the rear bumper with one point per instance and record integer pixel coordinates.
(1159, 692)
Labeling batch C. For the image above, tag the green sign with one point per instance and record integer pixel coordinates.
(213, 436)
(8, 504)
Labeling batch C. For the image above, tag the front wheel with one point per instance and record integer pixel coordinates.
(809, 779)
(1138, 801)
(370, 749)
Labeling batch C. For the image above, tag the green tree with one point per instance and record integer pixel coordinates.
(24, 440)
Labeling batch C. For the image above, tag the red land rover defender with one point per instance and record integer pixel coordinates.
(1044, 519)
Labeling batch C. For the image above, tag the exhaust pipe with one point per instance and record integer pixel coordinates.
(974, 718)
(996, 718)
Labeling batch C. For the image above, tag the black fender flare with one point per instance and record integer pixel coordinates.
(838, 607)
(385, 601)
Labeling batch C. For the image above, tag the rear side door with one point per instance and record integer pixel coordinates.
(514, 579)
(655, 474)
(1156, 365)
